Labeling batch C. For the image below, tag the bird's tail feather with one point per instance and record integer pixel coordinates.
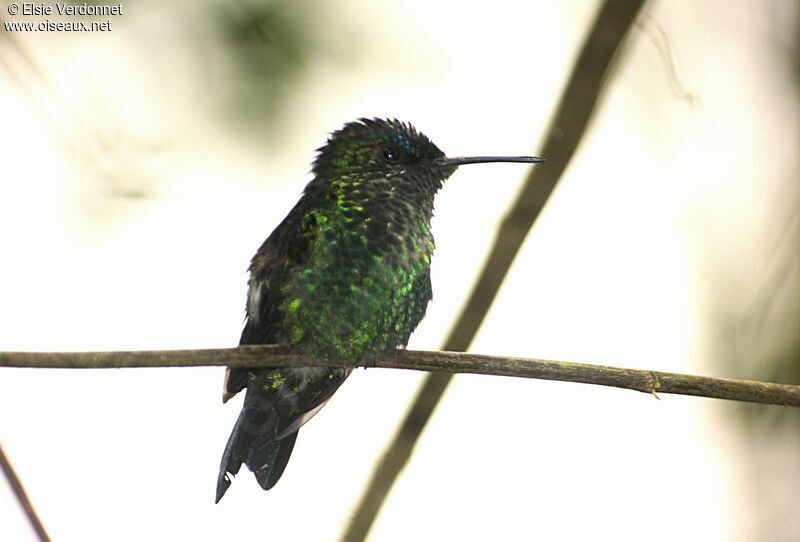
(258, 441)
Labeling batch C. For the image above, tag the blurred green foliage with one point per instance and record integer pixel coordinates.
(269, 44)
(762, 342)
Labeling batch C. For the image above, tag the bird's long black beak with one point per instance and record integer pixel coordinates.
(462, 160)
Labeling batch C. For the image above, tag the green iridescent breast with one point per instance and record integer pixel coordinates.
(364, 284)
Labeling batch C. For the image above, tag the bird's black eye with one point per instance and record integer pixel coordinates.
(391, 154)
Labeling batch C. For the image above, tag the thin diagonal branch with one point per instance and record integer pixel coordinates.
(22, 497)
(576, 107)
(261, 356)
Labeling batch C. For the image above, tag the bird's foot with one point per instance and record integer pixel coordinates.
(370, 361)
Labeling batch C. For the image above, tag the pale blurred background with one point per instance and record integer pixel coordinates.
(142, 167)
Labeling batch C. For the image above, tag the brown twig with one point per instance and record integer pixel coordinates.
(22, 497)
(449, 362)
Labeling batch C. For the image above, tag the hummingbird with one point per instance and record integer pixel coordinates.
(345, 276)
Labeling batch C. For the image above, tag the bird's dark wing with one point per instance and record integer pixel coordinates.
(287, 247)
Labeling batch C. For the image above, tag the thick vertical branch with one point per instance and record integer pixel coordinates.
(565, 133)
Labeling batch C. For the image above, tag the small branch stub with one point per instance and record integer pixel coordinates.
(652, 384)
